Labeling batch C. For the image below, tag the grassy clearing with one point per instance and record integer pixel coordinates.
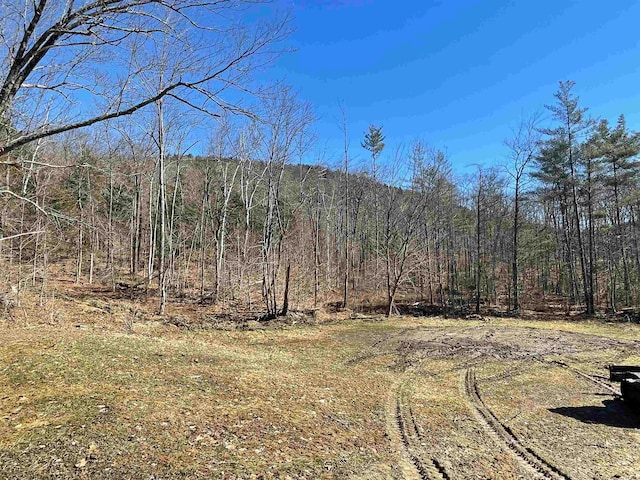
(205, 404)
(81, 399)
(570, 422)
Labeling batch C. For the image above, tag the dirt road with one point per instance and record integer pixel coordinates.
(491, 401)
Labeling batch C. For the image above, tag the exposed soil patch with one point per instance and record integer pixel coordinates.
(503, 343)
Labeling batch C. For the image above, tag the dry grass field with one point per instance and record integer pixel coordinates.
(92, 387)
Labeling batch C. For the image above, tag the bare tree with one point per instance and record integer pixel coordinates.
(251, 177)
(347, 246)
(286, 130)
(60, 50)
(523, 147)
(227, 172)
(403, 209)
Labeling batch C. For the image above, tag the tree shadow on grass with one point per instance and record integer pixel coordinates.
(613, 413)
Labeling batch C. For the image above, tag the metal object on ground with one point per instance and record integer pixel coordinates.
(630, 389)
(619, 372)
(629, 378)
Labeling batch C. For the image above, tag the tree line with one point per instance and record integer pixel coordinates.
(112, 189)
(251, 223)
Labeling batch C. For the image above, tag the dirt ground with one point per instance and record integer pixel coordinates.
(94, 395)
(502, 401)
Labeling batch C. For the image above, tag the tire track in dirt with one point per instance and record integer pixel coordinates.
(593, 379)
(398, 440)
(401, 429)
(408, 440)
(374, 350)
(503, 434)
(412, 439)
(440, 472)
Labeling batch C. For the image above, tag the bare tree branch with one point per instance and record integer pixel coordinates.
(65, 51)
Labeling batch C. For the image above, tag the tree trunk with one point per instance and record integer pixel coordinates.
(285, 302)
(477, 274)
(514, 265)
(162, 270)
(587, 278)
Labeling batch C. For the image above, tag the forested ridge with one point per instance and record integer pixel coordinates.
(101, 185)
(251, 224)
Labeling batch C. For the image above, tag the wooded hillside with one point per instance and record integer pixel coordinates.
(250, 224)
(98, 174)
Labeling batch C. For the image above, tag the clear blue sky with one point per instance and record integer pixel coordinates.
(458, 73)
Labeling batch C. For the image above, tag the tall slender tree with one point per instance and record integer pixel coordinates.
(374, 143)
(522, 147)
(566, 136)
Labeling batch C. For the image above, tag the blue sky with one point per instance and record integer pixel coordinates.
(456, 73)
